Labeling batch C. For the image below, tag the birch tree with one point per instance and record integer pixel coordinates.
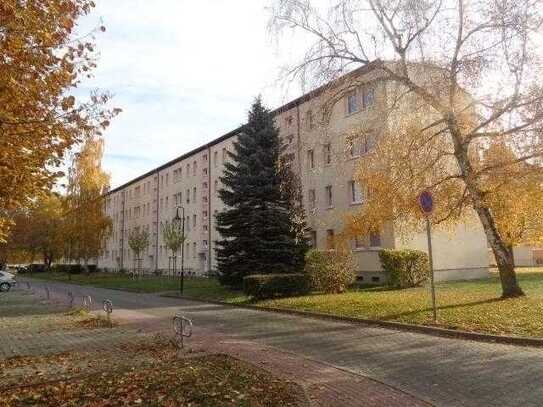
(138, 240)
(474, 69)
(87, 223)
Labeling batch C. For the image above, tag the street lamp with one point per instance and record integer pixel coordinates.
(179, 223)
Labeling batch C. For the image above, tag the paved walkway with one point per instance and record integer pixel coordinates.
(442, 371)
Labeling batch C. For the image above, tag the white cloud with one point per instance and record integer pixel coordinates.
(184, 72)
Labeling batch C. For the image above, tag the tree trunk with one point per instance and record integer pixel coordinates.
(504, 256)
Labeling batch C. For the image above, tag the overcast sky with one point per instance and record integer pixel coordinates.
(183, 71)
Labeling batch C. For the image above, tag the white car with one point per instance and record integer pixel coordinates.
(7, 280)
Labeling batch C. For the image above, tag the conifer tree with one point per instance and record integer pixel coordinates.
(259, 231)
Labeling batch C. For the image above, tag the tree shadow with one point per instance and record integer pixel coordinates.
(442, 307)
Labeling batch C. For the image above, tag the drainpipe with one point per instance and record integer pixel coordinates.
(123, 196)
(209, 209)
(157, 212)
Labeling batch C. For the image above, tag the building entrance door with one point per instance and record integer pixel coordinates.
(203, 263)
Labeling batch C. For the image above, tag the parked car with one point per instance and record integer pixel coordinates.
(7, 281)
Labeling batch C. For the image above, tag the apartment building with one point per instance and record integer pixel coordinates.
(322, 152)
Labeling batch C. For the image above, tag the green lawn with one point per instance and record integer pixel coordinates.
(194, 287)
(468, 305)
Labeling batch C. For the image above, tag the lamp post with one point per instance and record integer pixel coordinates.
(179, 222)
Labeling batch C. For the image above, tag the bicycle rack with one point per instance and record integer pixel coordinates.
(182, 327)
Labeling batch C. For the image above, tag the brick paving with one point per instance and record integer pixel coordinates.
(441, 371)
(35, 327)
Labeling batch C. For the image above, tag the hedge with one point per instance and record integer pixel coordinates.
(37, 268)
(74, 268)
(405, 268)
(262, 286)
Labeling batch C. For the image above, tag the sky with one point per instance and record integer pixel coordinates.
(184, 72)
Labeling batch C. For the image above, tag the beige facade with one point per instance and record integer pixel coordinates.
(524, 255)
(324, 156)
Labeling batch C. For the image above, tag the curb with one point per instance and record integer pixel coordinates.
(399, 326)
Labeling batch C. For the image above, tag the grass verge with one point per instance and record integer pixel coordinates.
(467, 305)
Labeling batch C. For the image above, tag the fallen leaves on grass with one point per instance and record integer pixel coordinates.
(216, 380)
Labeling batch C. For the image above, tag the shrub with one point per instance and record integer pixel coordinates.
(37, 268)
(262, 286)
(68, 268)
(331, 271)
(92, 268)
(405, 268)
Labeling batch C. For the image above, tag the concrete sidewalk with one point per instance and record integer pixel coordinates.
(442, 371)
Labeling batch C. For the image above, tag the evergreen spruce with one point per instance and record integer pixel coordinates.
(262, 224)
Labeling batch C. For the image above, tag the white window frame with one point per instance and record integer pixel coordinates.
(351, 101)
(354, 187)
(311, 158)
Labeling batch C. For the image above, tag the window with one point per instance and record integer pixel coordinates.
(205, 157)
(358, 242)
(327, 150)
(309, 120)
(355, 193)
(313, 239)
(224, 156)
(288, 120)
(188, 196)
(167, 178)
(215, 158)
(166, 202)
(310, 159)
(353, 147)
(215, 186)
(194, 194)
(204, 170)
(368, 98)
(204, 243)
(352, 103)
(370, 142)
(187, 249)
(329, 239)
(194, 167)
(329, 196)
(194, 249)
(188, 169)
(312, 199)
(204, 185)
(187, 222)
(375, 239)
(193, 220)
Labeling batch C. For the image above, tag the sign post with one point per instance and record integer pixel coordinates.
(426, 203)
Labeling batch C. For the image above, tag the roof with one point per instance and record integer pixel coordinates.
(286, 107)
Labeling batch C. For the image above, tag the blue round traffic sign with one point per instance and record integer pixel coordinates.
(426, 202)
